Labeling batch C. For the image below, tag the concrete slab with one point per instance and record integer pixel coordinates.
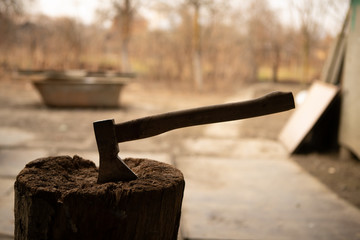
(155, 144)
(161, 157)
(13, 137)
(260, 199)
(223, 130)
(245, 147)
(6, 208)
(62, 143)
(12, 161)
(228, 129)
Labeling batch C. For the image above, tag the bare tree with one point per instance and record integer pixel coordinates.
(212, 8)
(121, 13)
(193, 40)
(276, 39)
(312, 15)
(8, 10)
(125, 11)
(190, 13)
(69, 32)
(11, 7)
(309, 26)
(258, 34)
(196, 44)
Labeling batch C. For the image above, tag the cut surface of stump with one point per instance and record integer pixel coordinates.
(59, 198)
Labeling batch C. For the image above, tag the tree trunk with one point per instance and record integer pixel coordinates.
(126, 16)
(254, 72)
(306, 55)
(276, 63)
(197, 66)
(58, 198)
(125, 63)
(275, 73)
(197, 71)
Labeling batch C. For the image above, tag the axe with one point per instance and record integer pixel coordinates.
(108, 134)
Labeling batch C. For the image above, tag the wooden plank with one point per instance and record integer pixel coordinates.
(349, 132)
(302, 121)
(331, 72)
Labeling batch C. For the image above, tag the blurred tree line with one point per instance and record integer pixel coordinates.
(199, 43)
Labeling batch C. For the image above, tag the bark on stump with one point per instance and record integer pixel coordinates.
(58, 198)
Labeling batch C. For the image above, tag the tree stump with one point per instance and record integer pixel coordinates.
(58, 198)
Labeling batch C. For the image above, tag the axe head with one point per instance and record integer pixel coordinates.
(111, 168)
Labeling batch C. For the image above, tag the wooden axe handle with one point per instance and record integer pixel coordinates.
(157, 124)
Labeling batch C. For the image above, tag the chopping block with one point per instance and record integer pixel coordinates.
(59, 198)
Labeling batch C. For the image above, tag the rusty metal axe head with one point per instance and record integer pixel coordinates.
(111, 168)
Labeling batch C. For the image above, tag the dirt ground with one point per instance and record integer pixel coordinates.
(21, 107)
(339, 172)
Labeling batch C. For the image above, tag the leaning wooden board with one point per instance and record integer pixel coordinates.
(333, 65)
(318, 99)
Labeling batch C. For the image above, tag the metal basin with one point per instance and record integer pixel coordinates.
(69, 91)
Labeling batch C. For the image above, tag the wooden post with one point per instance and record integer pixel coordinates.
(58, 198)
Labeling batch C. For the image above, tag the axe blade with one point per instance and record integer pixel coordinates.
(111, 168)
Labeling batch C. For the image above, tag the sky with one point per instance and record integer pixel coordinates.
(84, 11)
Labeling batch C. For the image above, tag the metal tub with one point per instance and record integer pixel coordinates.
(68, 91)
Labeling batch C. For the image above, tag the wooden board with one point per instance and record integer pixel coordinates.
(332, 69)
(318, 99)
(349, 132)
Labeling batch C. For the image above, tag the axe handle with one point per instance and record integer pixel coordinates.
(157, 124)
